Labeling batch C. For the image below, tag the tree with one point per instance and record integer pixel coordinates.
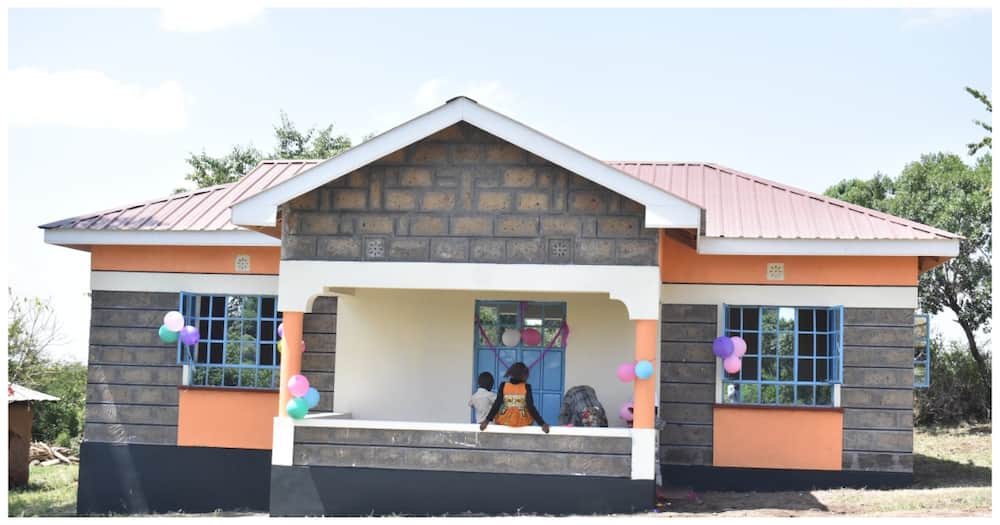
(32, 328)
(942, 191)
(987, 141)
(61, 422)
(291, 144)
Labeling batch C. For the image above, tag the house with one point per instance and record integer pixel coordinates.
(399, 265)
(19, 421)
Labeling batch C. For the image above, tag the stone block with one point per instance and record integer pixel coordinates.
(689, 313)
(400, 200)
(429, 225)
(683, 393)
(487, 250)
(688, 372)
(560, 225)
(689, 332)
(428, 153)
(878, 418)
(490, 201)
(525, 251)
(595, 251)
(878, 377)
(477, 225)
(416, 177)
(505, 153)
(408, 249)
(345, 199)
(438, 201)
(375, 224)
(318, 223)
(532, 201)
(519, 177)
(587, 201)
(516, 226)
(854, 397)
(878, 440)
(686, 434)
(687, 352)
(339, 248)
(686, 413)
(450, 249)
(467, 153)
(298, 247)
(686, 455)
(878, 316)
(637, 251)
(308, 201)
(878, 336)
(617, 226)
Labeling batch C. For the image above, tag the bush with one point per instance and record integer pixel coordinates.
(957, 393)
(60, 422)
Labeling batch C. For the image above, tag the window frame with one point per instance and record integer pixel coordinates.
(926, 361)
(835, 372)
(187, 301)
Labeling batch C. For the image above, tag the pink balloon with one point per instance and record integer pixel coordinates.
(739, 346)
(298, 385)
(174, 321)
(626, 372)
(626, 411)
(732, 364)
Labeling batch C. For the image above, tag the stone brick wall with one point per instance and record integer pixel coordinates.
(463, 195)
(877, 394)
(687, 383)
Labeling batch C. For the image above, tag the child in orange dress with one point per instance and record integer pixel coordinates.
(514, 406)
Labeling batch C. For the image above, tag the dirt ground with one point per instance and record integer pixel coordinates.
(952, 478)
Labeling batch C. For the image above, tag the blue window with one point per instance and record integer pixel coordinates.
(793, 355)
(921, 350)
(492, 352)
(238, 344)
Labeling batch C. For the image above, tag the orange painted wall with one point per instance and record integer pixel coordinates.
(681, 264)
(784, 438)
(264, 260)
(226, 418)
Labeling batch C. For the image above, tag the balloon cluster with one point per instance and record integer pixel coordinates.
(731, 350)
(637, 370)
(173, 328)
(304, 396)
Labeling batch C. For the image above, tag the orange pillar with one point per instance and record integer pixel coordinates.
(644, 393)
(291, 356)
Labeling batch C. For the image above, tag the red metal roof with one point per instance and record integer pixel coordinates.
(737, 205)
(205, 209)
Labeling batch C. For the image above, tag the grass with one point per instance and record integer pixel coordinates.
(51, 491)
(952, 477)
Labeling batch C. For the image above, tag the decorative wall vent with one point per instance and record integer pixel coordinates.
(374, 248)
(242, 264)
(775, 271)
(560, 250)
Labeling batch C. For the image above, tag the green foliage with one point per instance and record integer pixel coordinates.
(987, 141)
(942, 191)
(313, 143)
(32, 328)
(957, 393)
(61, 422)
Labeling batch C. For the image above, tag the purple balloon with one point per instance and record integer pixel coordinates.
(722, 347)
(190, 335)
(281, 330)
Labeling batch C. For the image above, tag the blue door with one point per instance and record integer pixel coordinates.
(545, 355)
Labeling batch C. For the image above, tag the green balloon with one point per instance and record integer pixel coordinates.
(297, 408)
(167, 335)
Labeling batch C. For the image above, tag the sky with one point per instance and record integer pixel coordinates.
(105, 105)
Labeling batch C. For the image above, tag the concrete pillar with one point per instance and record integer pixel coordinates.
(291, 356)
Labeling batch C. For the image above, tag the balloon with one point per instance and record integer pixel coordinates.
(174, 321)
(167, 335)
(531, 337)
(643, 369)
(312, 397)
(626, 411)
(510, 337)
(298, 385)
(626, 372)
(739, 346)
(190, 335)
(722, 347)
(732, 364)
(297, 408)
(281, 345)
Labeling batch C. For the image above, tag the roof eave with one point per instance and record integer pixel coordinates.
(663, 210)
(77, 238)
(850, 247)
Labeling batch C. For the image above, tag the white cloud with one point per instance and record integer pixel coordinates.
(919, 18)
(91, 99)
(434, 92)
(204, 16)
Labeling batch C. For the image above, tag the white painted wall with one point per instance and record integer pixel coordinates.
(407, 354)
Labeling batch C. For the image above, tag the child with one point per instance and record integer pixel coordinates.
(484, 397)
(514, 405)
